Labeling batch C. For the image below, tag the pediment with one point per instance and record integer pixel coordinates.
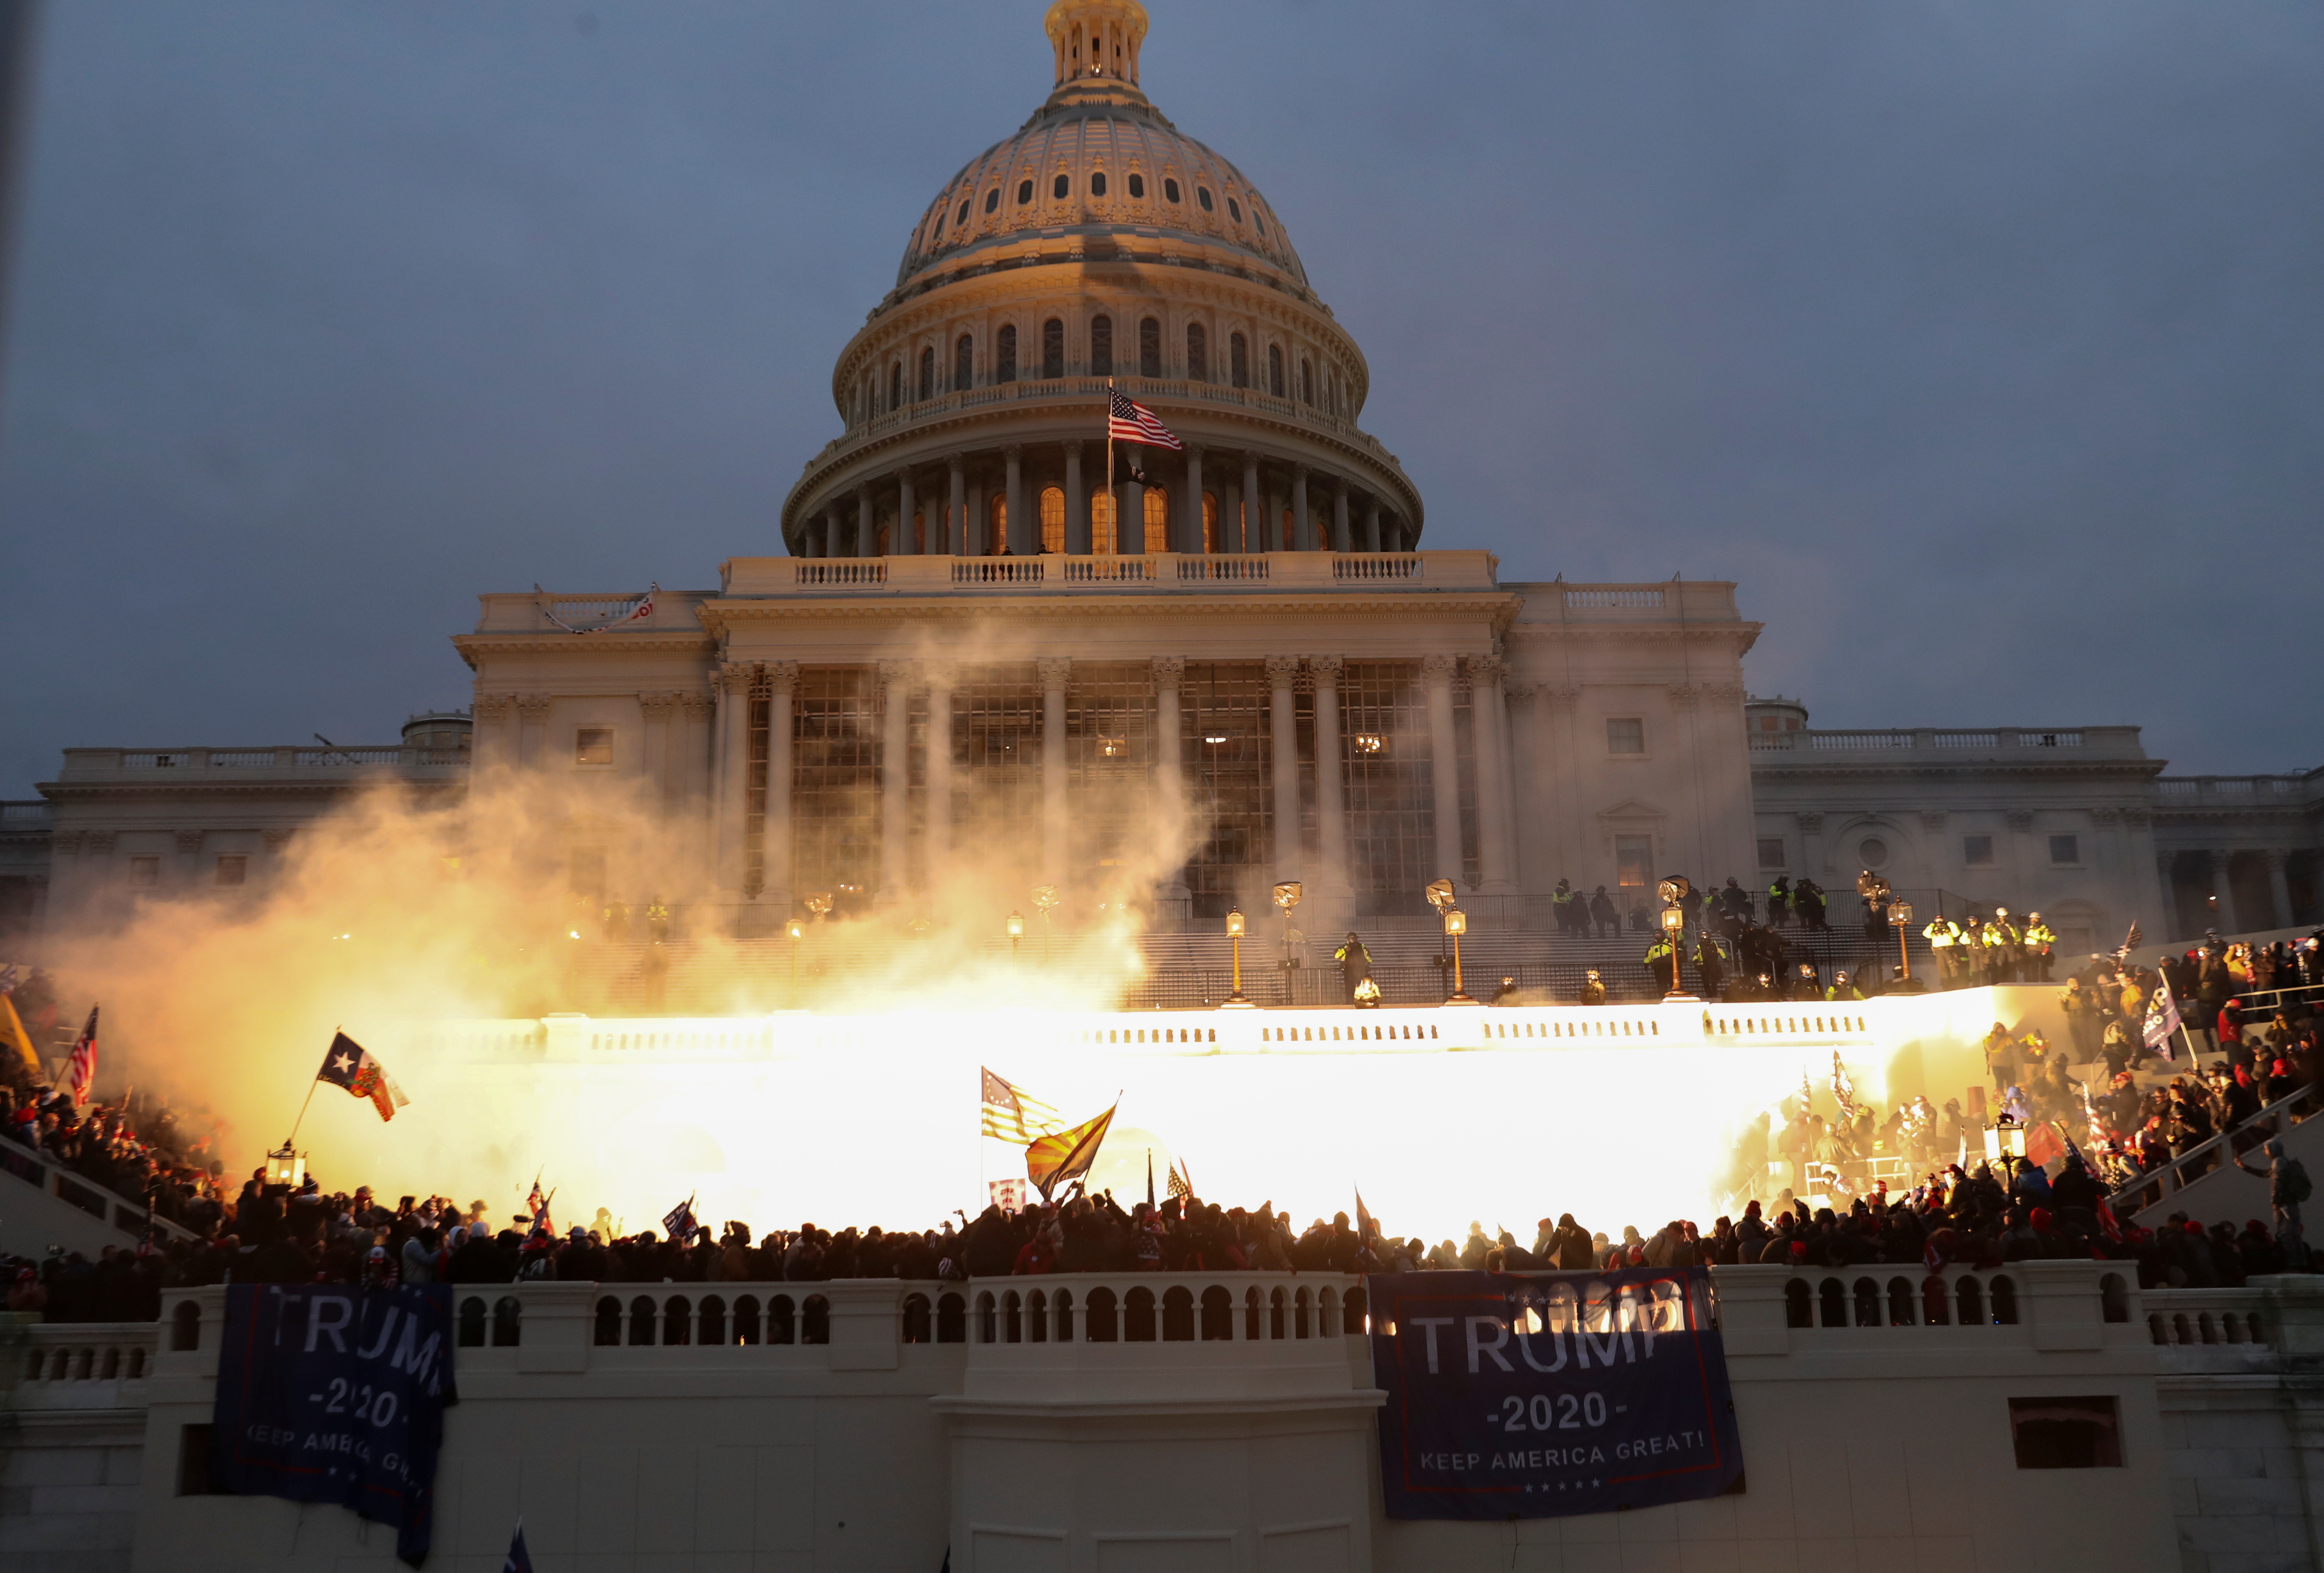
(1633, 811)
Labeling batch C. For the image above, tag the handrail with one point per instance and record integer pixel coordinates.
(2164, 1180)
(101, 1202)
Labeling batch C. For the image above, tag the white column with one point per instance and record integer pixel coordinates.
(1283, 750)
(1496, 832)
(1331, 779)
(1372, 525)
(495, 747)
(895, 778)
(955, 535)
(2279, 884)
(734, 679)
(1443, 764)
(1024, 537)
(1254, 508)
(1302, 534)
(1053, 671)
(1077, 504)
(775, 832)
(1170, 769)
(1190, 530)
(903, 545)
(866, 535)
(939, 783)
(698, 780)
(1340, 540)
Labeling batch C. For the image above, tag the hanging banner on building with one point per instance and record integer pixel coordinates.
(1537, 1395)
(336, 1394)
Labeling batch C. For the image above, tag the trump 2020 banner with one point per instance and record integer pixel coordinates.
(336, 1394)
(1540, 1394)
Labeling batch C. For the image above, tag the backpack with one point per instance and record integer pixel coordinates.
(2292, 1178)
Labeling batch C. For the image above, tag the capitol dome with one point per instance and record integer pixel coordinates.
(1099, 248)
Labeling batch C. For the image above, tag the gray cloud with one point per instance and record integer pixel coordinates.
(1979, 342)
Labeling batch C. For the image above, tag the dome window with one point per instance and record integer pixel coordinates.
(1097, 183)
(1137, 185)
(1203, 195)
(993, 198)
(1275, 370)
(1256, 219)
(928, 374)
(1101, 347)
(1023, 192)
(1198, 353)
(1169, 190)
(1063, 185)
(962, 217)
(964, 363)
(1234, 211)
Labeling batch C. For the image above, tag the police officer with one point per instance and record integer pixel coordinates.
(1944, 940)
(1842, 989)
(2038, 937)
(1779, 901)
(1710, 961)
(2012, 944)
(1658, 960)
(1561, 904)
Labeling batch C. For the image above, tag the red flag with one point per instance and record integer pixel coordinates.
(2109, 1223)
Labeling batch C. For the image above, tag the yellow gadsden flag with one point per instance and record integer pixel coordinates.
(12, 1033)
(1051, 1160)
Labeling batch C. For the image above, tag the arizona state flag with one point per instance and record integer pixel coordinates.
(1051, 1160)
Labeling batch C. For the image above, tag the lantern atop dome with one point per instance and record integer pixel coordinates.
(1096, 38)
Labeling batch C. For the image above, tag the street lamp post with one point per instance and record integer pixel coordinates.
(1900, 915)
(1016, 933)
(1674, 892)
(1456, 923)
(1234, 933)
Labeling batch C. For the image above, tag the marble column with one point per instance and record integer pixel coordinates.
(2223, 895)
(1444, 764)
(1283, 750)
(695, 739)
(1129, 515)
(1077, 502)
(780, 681)
(939, 772)
(904, 544)
(1372, 525)
(1231, 516)
(1024, 531)
(2279, 884)
(1169, 768)
(1053, 671)
(976, 527)
(1302, 538)
(1496, 832)
(189, 859)
(866, 542)
(1331, 779)
(895, 779)
(1341, 541)
(956, 531)
(734, 681)
(1254, 506)
(1189, 514)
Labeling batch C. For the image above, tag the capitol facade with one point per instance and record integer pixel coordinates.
(988, 624)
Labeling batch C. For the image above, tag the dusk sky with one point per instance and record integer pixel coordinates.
(1982, 344)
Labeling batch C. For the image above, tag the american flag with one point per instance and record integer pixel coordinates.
(1015, 1116)
(80, 1074)
(1128, 421)
(1181, 1182)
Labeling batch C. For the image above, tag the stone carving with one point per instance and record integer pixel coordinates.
(1521, 690)
(698, 706)
(1560, 696)
(99, 844)
(735, 677)
(2106, 818)
(1053, 669)
(1436, 671)
(2021, 818)
(659, 706)
(1932, 818)
(493, 707)
(1170, 671)
(533, 710)
(1326, 669)
(2137, 819)
(1282, 670)
(1486, 670)
(781, 676)
(1811, 823)
(277, 838)
(1684, 696)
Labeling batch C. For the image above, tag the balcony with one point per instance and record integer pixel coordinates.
(1928, 745)
(1158, 573)
(236, 766)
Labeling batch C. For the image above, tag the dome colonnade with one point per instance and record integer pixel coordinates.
(1099, 245)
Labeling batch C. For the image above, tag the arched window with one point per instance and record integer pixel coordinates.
(1149, 347)
(964, 362)
(1198, 352)
(896, 385)
(1233, 210)
(928, 374)
(1053, 349)
(919, 533)
(1137, 184)
(962, 217)
(1275, 370)
(1203, 195)
(1023, 192)
(1306, 381)
(1238, 360)
(1157, 519)
(1210, 522)
(1053, 519)
(996, 514)
(1101, 533)
(1063, 185)
(1097, 183)
(1256, 219)
(993, 198)
(1169, 190)
(1101, 347)
(1004, 354)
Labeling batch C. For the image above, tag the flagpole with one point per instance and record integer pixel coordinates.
(293, 1136)
(1111, 500)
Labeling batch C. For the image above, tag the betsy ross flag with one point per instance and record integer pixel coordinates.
(678, 1222)
(2162, 1021)
(80, 1071)
(1128, 421)
(1051, 1160)
(349, 1065)
(1012, 1116)
(1180, 1183)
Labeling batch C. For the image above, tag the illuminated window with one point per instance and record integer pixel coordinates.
(1102, 534)
(1634, 856)
(593, 745)
(1157, 519)
(996, 514)
(1625, 735)
(1210, 522)
(1053, 519)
